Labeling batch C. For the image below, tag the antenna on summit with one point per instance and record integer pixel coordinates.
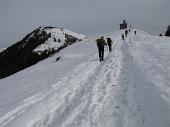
(131, 30)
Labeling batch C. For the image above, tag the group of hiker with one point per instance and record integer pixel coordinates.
(126, 33)
(100, 44)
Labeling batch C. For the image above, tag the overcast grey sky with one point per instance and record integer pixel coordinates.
(19, 17)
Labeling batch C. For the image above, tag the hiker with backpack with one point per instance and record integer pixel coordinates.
(100, 44)
(109, 43)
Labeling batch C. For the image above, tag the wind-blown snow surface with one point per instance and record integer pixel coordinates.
(131, 88)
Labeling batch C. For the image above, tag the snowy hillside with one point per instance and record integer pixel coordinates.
(130, 88)
(34, 47)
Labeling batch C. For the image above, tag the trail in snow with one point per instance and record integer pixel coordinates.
(144, 102)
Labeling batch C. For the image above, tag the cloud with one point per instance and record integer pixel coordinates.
(18, 17)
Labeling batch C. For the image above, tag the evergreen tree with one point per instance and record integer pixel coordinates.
(168, 31)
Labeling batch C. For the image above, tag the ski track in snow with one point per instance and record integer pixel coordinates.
(77, 106)
(129, 89)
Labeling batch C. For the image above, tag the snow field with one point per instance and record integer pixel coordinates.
(130, 88)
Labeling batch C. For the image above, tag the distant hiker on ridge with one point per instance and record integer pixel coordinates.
(109, 43)
(135, 32)
(123, 37)
(126, 33)
(100, 44)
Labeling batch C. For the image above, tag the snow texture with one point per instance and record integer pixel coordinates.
(130, 88)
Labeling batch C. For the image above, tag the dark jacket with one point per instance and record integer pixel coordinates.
(109, 41)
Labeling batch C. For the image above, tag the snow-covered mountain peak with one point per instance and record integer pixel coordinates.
(58, 37)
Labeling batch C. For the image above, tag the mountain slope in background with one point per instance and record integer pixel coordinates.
(130, 88)
(36, 46)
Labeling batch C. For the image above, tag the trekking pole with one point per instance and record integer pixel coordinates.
(130, 38)
(130, 31)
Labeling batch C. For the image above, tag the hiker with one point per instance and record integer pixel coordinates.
(126, 33)
(100, 44)
(135, 32)
(109, 43)
(123, 37)
(160, 35)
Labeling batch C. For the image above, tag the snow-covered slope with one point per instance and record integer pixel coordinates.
(146, 65)
(34, 47)
(129, 89)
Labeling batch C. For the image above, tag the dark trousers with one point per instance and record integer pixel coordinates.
(101, 52)
(123, 38)
(110, 47)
